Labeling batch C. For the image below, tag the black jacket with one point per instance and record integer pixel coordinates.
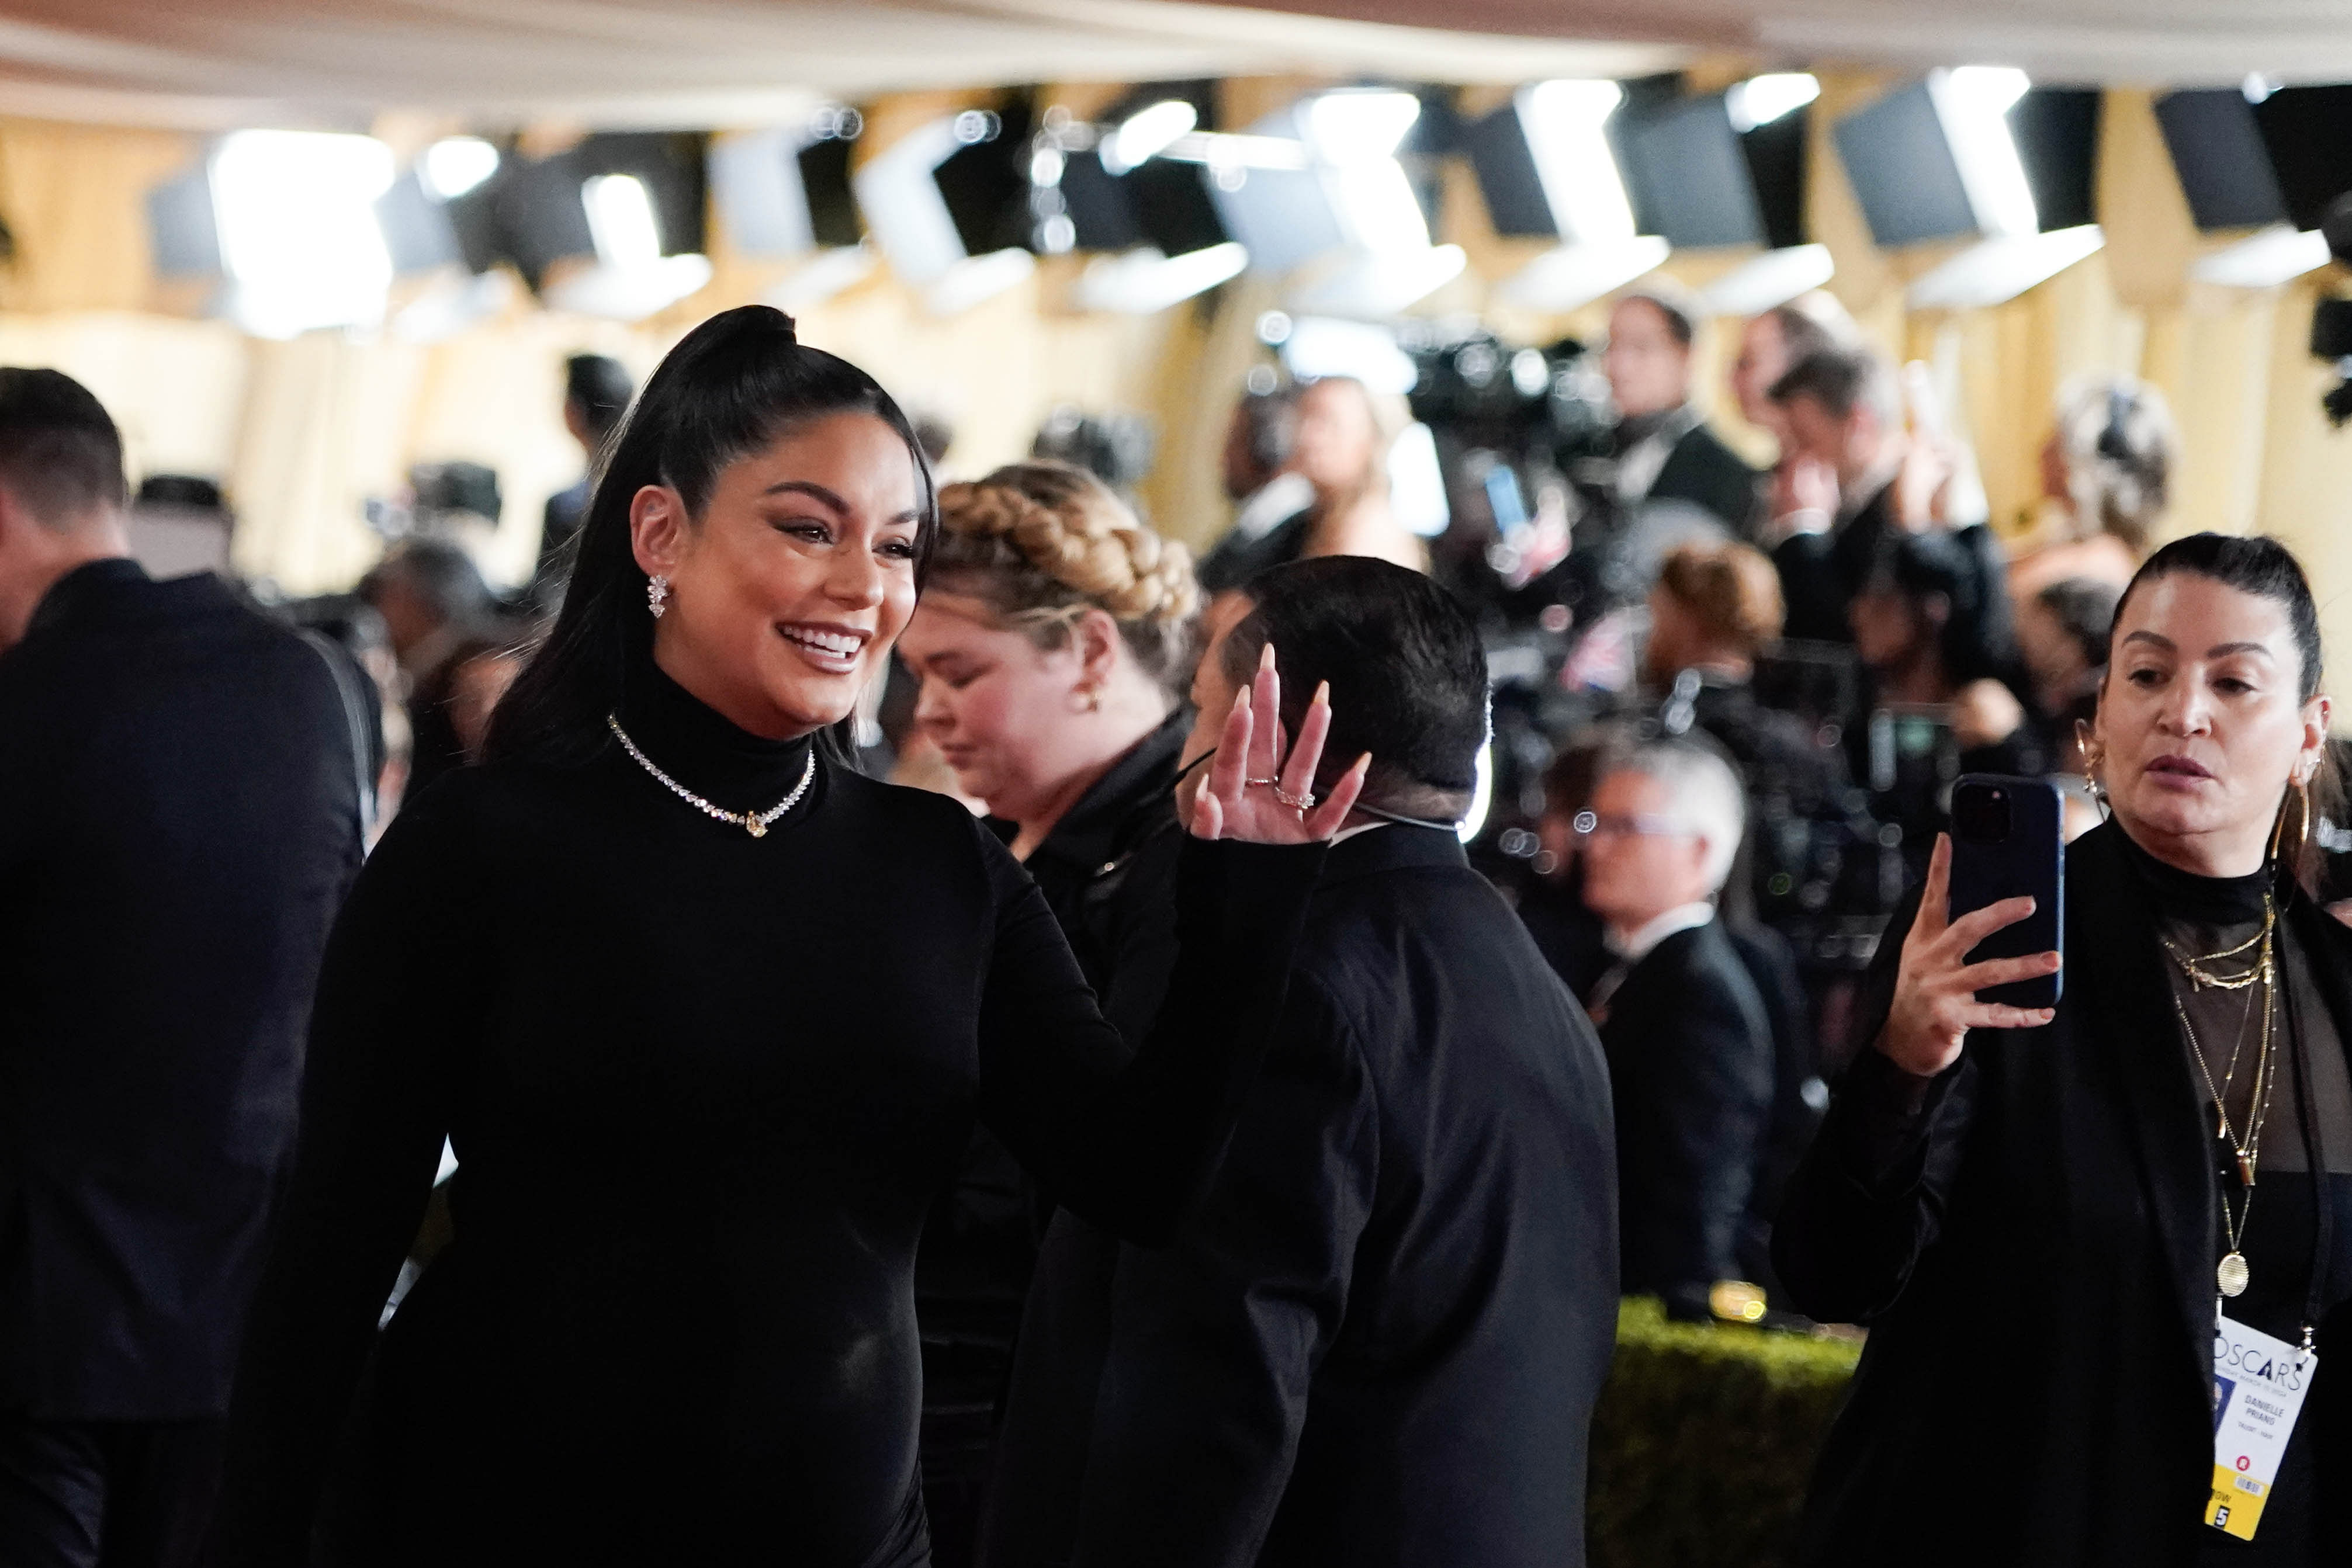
(1381, 1342)
(1691, 1066)
(179, 819)
(1821, 573)
(1708, 474)
(2032, 1239)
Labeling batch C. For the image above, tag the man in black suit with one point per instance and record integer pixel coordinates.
(1842, 408)
(1382, 1339)
(179, 816)
(1689, 1042)
(1665, 450)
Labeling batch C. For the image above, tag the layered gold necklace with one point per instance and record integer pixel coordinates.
(2260, 979)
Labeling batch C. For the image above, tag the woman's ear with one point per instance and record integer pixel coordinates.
(1095, 636)
(657, 529)
(2315, 715)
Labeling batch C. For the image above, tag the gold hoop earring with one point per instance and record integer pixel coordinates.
(2302, 794)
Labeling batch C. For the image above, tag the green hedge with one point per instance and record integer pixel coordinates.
(1705, 1440)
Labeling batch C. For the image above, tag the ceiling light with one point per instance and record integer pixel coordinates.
(1574, 276)
(1761, 101)
(1565, 123)
(1973, 103)
(1997, 270)
(455, 164)
(1360, 126)
(1763, 282)
(1143, 282)
(621, 221)
(2279, 254)
(298, 235)
(1148, 133)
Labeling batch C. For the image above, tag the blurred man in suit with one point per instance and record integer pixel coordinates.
(180, 791)
(1689, 1042)
(1840, 408)
(1665, 450)
(1382, 1340)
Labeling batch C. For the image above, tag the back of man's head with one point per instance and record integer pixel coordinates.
(60, 455)
(1407, 672)
(600, 389)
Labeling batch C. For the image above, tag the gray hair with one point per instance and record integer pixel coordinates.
(1705, 794)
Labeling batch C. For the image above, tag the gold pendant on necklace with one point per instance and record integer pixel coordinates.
(2245, 1169)
(758, 829)
(2232, 1275)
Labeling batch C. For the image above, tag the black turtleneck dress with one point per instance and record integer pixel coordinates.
(2031, 1236)
(703, 1088)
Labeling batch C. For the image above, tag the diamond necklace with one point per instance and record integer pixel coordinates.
(754, 822)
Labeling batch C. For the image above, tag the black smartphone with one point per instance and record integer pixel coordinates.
(2008, 840)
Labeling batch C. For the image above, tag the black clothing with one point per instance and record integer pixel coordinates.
(2032, 1236)
(179, 816)
(704, 1088)
(1236, 560)
(1381, 1341)
(1110, 875)
(1708, 474)
(106, 1494)
(1821, 573)
(1798, 1095)
(1572, 939)
(1691, 1071)
(982, 1243)
(559, 525)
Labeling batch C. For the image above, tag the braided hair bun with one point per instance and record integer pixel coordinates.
(1040, 542)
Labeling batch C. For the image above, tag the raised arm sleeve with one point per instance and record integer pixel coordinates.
(1128, 1139)
(1867, 1200)
(1215, 1339)
(395, 999)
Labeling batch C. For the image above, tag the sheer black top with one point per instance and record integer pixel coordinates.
(703, 1088)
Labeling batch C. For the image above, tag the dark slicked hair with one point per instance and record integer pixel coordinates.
(1408, 674)
(60, 455)
(732, 385)
(1841, 381)
(2258, 565)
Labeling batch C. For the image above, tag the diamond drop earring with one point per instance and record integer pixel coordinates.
(657, 595)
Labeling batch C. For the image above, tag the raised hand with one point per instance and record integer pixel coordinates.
(1935, 987)
(1256, 793)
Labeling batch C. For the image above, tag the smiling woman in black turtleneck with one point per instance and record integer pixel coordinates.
(2046, 1216)
(709, 1018)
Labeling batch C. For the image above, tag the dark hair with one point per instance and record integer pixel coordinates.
(1408, 674)
(1841, 381)
(1802, 334)
(1974, 641)
(60, 455)
(1681, 318)
(438, 571)
(1270, 426)
(729, 387)
(599, 387)
(2084, 609)
(2258, 565)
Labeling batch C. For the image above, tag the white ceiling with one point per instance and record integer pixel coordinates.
(204, 63)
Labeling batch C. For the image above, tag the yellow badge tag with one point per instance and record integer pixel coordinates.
(2259, 1385)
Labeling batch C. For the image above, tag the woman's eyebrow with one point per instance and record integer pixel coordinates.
(808, 487)
(2221, 650)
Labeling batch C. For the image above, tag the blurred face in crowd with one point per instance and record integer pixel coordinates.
(475, 688)
(1339, 442)
(1641, 859)
(1763, 360)
(1649, 371)
(1890, 628)
(2201, 727)
(788, 590)
(1845, 446)
(1021, 723)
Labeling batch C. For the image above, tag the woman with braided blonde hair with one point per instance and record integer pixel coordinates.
(1055, 643)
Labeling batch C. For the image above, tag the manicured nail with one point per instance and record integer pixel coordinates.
(1265, 657)
(1323, 693)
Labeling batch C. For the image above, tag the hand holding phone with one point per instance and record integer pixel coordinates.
(1983, 951)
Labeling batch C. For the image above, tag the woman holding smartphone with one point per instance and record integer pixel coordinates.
(710, 1018)
(2050, 1216)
